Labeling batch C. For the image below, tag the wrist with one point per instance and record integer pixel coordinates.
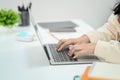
(84, 38)
(93, 46)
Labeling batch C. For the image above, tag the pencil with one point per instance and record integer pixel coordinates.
(54, 36)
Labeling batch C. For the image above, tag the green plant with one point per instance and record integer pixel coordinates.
(8, 18)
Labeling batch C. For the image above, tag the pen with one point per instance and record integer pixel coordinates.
(30, 4)
(19, 8)
(23, 8)
(54, 36)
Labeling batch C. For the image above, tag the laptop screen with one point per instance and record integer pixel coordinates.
(34, 25)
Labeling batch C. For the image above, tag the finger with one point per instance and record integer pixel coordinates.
(63, 45)
(80, 53)
(60, 43)
(74, 49)
(66, 43)
(77, 55)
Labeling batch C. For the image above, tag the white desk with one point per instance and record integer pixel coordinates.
(25, 61)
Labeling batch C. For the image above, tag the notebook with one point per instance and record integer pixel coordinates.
(105, 71)
(59, 26)
(58, 58)
(102, 71)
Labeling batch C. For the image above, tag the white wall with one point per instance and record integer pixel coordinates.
(94, 12)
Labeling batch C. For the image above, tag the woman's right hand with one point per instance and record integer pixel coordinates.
(65, 42)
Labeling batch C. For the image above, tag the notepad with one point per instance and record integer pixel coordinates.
(102, 71)
(59, 26)
(105, 71)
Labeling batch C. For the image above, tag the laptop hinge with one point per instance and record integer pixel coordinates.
(46, 52)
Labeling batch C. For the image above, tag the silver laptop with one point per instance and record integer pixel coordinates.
(58, 58)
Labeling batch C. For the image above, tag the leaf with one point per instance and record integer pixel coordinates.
(8, 17)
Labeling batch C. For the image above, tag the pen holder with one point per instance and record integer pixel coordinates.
(25, 19)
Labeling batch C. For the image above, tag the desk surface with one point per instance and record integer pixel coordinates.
(25, 61)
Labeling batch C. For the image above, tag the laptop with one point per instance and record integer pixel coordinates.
(60, 58)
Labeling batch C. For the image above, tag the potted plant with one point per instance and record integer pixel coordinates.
(8, 18)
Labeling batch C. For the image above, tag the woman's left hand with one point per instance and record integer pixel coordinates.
(82, 49)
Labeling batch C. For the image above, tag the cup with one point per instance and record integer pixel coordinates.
(25, 19)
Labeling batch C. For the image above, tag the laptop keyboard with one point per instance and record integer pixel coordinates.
(61, 56)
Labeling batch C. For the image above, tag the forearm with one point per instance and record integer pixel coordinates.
(101, 34)
(106, 33)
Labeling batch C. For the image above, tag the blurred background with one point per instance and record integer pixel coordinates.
(93, 12)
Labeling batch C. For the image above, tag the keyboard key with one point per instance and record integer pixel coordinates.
(62, 55)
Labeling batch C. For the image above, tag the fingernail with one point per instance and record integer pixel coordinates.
(74, 57)
(70, 46)
(59, 49)
(68, 54)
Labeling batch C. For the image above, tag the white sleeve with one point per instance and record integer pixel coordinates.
(107, 32)
(109, 51)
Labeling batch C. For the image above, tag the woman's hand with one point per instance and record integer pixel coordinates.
(66, 42)
(82, 49)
